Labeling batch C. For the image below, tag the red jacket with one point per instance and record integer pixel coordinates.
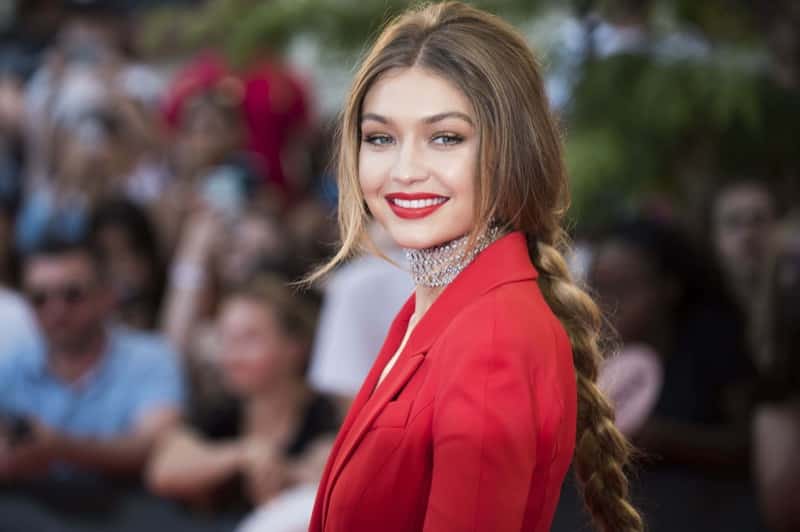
(473, 429)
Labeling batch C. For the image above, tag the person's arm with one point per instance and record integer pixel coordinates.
(188, 280)
(722, 446)
(124, 455)
(308, 468)
(119, 456)
(708, 446)
(484, 438)
(268, 472)
(186, 467)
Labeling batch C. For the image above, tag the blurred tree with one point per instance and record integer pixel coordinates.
(639, 127)
(649, 120)
(675, 117)
(245, 28)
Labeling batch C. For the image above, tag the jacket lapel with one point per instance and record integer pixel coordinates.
(397, 378)
(354, 425)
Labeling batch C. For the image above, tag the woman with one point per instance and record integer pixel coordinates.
(282, 434)
(467, 421)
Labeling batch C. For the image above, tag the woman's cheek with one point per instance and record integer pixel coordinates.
(371, 181)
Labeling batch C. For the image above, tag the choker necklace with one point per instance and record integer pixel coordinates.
(439, 265)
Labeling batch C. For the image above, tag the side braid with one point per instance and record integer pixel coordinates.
(601, 452)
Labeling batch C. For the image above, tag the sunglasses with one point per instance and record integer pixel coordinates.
(69, 294)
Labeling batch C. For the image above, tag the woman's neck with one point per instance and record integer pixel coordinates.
(424, 297)
(434, 268)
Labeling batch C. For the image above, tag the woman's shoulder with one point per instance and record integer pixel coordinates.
(513, 303)
(508, 320)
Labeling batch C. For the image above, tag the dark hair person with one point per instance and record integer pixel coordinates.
(484, 389)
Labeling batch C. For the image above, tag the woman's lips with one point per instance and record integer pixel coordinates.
(413, 206)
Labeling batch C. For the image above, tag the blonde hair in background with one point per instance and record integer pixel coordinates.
(521, 184)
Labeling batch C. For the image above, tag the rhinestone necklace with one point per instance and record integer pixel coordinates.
(439, 265)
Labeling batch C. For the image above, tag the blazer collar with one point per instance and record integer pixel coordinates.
(504, 261)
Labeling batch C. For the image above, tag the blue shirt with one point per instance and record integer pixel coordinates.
(137, 373)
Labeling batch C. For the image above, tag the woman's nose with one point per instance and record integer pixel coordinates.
(408, 165)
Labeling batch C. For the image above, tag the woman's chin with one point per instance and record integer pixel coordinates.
(419, 243)
(419, 240)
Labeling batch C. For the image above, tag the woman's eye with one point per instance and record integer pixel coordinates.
(447, 139)
(377, 140)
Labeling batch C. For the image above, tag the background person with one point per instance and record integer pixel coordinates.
(81, 389)
(278, 432)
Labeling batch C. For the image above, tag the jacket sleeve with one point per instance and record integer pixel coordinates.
(484, 440)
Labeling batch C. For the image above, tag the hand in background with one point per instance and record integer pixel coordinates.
(30, 457)
(265, 472)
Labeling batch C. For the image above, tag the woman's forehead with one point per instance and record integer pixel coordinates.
(414, 94)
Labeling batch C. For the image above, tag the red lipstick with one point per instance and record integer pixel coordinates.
(414, 205)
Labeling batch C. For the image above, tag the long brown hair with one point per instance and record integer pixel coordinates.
(521, 183)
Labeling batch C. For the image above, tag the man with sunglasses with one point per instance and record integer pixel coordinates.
(92, 398)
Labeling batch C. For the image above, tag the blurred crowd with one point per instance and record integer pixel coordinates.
(152, 220)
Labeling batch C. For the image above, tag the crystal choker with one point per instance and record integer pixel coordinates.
(439, 265)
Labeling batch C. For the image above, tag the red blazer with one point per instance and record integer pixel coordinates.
(473, 429)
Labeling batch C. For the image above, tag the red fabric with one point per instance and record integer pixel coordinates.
(199, 76)
(474, 427)
(275, 105)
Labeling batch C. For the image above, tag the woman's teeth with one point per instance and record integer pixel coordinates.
(418, 204)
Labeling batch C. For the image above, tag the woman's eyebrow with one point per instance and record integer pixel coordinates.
(375, 117)
(449, 114)
(427, 120)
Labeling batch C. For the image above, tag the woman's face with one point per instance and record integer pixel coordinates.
(634, 297)
(255, 353)
(418, 157)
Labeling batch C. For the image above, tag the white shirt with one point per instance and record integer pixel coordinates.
(18, 329)
(361, 300)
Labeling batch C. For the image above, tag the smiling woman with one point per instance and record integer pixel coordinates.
(485, 387)
(417, 163)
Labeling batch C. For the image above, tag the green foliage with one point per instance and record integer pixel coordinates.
(641, 125)
(245, 29)
(637, 124)
(725, 20)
